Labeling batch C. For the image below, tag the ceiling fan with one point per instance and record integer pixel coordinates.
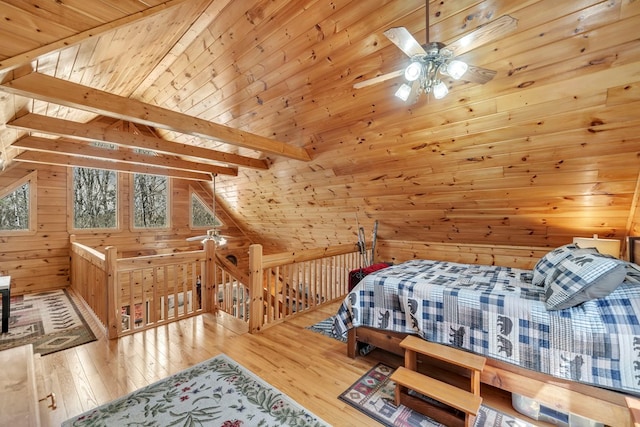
(433, 60)
(213, 233)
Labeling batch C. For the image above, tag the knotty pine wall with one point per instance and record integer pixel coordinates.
(40, 261)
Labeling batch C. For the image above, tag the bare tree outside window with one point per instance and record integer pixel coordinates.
(14, 209)
(150, 201)
(201, 214)
(95, 194)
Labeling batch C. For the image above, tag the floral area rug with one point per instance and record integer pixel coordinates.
(372, 394)
(325, 327)
(217, 392)
(48, 320)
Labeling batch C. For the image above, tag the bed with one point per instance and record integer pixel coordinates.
(573, 322)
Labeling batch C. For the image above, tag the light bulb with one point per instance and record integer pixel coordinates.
(440, 90)
(456, 69)
(412, 72)
(403, 92)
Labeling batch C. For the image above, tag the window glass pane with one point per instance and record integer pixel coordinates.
(14, 209)
(95, 195)
(201, 214)
(150, 201)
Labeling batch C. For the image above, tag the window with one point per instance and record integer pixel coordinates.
(17, 205)
(95, 196)
(150, 201)
(202, 215)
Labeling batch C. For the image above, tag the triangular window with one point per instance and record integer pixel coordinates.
(17, 205)
(202, 215)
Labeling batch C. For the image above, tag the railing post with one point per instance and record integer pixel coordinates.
(73, 268)
(256, 313)
(209, 303)
(113, 311)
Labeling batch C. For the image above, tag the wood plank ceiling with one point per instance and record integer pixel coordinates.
(261, 92)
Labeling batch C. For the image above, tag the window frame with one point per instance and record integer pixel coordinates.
(132, 191)
(32, 179)
(71, 203)
(194, 192)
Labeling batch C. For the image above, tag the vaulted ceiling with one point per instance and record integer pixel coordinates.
(261, 93)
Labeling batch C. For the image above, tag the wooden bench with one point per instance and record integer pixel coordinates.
(19, 402)
(454, 398)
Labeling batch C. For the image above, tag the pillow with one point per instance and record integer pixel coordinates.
(633, 273)
(580, 277)
(552, 258)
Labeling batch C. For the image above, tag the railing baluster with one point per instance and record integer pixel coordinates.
(283, 285)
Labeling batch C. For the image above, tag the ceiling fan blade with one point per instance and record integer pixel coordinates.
(378, 79)
(483, 34)
(478, 74)
(402, 38)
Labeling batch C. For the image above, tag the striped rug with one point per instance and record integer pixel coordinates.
(48, 320)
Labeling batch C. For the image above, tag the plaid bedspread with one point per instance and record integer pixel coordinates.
(497, 312)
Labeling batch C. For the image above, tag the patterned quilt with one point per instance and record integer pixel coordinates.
(497, 312)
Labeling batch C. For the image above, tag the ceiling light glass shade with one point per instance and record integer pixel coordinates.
(403, 91)
(412, 72)
(220, 241)
(440, 90)
(456, 69)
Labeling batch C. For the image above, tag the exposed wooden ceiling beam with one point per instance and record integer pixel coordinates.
(61, 146)
(93, 132)
(86, 162)
(69, 94)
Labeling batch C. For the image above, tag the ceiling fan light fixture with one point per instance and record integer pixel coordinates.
(456, 69)
(413, 71)
(440, 90)
(403, 92)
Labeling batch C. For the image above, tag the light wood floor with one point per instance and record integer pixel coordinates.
(307, 366)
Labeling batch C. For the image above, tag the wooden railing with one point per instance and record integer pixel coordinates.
(284, 285)
(89, 278)
(132, 294)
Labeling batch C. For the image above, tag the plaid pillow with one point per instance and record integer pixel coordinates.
(553, 258)
(580, 277)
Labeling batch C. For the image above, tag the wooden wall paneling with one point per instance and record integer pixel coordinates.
(232, 32)
(544, 151)
(210, 10)
(297, 49)
(41, 262)
(629, 8)
(69, 17)
(397, 251)
(16, 21)
(315, 80)
(137, 47)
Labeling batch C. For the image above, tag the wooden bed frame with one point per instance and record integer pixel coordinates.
(605, 406)
(608, 407)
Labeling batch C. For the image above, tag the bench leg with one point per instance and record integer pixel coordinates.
(6, 302)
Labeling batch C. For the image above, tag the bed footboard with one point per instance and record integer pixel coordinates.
(605, 406)
(360, 337)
